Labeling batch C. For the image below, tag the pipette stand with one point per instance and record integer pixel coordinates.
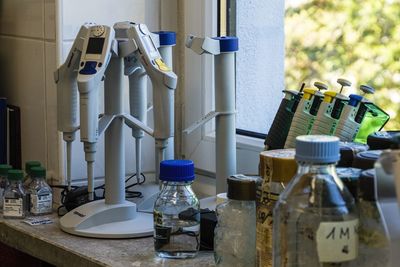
(113, 217)
(223, 49)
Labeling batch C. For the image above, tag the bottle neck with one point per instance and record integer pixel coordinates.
(324, 187)
(320, 168)
(175, 183)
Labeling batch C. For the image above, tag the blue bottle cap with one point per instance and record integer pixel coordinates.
(354, 100)
(317, 149)
(167, 37)
(228, 43)
(177, 170)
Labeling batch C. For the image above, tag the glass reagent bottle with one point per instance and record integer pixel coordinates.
(177, 212)
(235, 233)
(315, 219)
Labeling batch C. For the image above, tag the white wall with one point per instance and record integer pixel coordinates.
(259, 62)
(27, 36)
(28, 56)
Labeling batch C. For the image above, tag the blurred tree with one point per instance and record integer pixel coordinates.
(358, 40)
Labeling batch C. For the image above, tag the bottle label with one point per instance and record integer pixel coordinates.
(337, 241)
(41, 203)
(264, 221)
(13, 207)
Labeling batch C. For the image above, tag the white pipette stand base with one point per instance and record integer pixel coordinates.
(100, 220)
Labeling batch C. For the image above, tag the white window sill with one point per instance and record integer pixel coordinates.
(242, 142)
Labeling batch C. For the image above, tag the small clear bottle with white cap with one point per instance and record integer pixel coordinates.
(14, 196)
(40, 193)
(177, 212)
(4, 183)
(315, 219)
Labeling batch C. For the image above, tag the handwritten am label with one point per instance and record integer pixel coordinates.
(337, 241)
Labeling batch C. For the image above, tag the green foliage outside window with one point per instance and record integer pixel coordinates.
(354, 39)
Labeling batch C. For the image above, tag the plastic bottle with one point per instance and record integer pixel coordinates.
(14, 196)
(4, 168)
(315, 219)
(235, 233)
(177, 212)
(40, 193)
(28, 166)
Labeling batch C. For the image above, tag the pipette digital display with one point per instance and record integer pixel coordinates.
(95, 46)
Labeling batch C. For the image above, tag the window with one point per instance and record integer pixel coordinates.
(357, 40)
(322, 41)
(260, 62)
(201, 20)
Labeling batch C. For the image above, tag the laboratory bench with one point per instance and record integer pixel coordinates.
(55, 247)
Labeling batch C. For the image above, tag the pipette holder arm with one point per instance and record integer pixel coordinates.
(201, 45)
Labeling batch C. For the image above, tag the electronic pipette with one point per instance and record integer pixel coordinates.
(67, 95)
(304, 116)
(139, 42)
(351, 119)
(330, 110)
(95, 57)
(279, 130)
(138, 92)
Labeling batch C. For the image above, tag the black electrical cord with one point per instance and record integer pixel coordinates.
(134, 194)
(128, 193)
